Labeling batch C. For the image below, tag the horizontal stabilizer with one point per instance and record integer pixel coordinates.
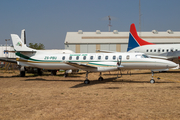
(20, 51)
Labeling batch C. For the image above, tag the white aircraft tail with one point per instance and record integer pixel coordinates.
(23, 36)
(19, 45)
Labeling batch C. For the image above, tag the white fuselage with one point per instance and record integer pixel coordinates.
(166, 50)
(102, 61)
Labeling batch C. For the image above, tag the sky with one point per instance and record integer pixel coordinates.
(48, 21)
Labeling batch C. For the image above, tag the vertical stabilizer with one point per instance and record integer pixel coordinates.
(23, 36)
(135, 40)
(19, 45)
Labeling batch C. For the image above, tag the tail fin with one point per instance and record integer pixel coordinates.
(23, 36)
(19, 46)
(135, 40)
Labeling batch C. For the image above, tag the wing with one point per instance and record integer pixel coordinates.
(82, 66)
(11, 60)
(106, 51)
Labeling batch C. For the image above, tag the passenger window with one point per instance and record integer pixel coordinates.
(167, 50)
(163, 50)
(176, 49)
(127, 57)
(171, 50)
(70, 58)
(159, 50)
(154, 50)
(146, 50)
(77, 57)
(91, 57)
(120, 57)
(150, 50)
(106, 57)
(63, 58)
(114, 57)
(84, 57)
(99, 57)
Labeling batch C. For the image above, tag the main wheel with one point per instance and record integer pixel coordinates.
(152, 81)
(22, 73)
(86, 81)
(100, 78)
(65, 74)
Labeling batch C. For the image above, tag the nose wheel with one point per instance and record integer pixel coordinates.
(152, 81)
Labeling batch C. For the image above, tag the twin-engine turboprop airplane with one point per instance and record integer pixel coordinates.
(162, 51)
(90, 62)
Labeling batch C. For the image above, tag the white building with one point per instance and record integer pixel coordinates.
(88, 42)
(3, 48)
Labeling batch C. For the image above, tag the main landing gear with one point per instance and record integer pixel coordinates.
(22, 71)
(152, 79)
(87, 80)
(100, 78)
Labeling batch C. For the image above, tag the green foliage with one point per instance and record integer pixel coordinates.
(37, 46)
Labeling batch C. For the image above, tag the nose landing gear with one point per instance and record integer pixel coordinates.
(152, 79)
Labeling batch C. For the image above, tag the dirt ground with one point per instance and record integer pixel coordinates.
(130, 97)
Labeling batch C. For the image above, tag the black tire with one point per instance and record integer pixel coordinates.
(22, 73)
(86, 82)
(100, 79)
(53, 72)
(152, 81)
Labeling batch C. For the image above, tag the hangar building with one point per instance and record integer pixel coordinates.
(3, 48)
(89, 42)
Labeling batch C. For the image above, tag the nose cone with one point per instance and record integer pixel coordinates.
(172, 65)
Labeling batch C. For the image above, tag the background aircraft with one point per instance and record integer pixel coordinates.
(163, 51)
(90, 62)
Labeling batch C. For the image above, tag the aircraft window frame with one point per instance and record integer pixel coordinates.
(84, 57)
(63, 57)
(91, 57)
(77, 57)
(70, 57)
(106, 57)
(127, 57)
(99, 57)
(114, 57)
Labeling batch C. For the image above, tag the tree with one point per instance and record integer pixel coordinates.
(37, 46)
